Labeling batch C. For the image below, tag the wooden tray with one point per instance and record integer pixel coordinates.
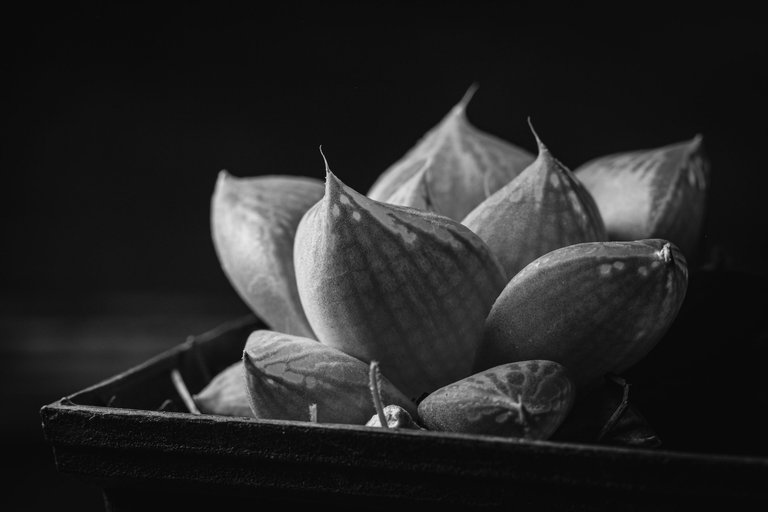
(130, 436)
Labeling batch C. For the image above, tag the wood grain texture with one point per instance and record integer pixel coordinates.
(145, 459)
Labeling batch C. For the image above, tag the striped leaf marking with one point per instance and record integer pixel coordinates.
(657, 193)
(452, 168)
(528, 399)
(286, 374)
(253, 225)
(594, 307)
(405, 287)
(543, 209)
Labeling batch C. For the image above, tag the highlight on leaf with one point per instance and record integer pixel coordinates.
(404, 287)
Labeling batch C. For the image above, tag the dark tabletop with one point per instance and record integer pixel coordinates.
(53, 348)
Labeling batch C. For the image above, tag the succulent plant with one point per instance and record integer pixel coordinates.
(481, 281)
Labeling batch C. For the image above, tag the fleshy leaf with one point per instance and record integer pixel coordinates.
(405, 287)
(226, 394)
(286, 375)
(595, 307)
(655, 193)
(253, 223)
(543, 209)
(452, 169)
(527, 399)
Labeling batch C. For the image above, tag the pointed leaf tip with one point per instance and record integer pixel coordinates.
(539, 143)
(223, 177)
(325, 160)
(697, 141)
(331, 181)
(468, 95)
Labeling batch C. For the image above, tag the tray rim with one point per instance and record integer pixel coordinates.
(113, 447)
(64, 405)
(67, 404)
(307, 459)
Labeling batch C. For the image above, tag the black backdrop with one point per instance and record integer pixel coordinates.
(120, 117)
(117, 118)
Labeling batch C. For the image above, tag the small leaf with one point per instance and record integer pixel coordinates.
(606, 415)
(527, 399)
(226, 394)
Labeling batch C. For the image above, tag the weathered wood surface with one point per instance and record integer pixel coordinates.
(112, 434)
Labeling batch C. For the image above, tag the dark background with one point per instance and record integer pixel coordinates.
(116, 120)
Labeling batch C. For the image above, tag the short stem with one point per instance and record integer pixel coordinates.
(616, 416)
(373, 378)
(468, 95)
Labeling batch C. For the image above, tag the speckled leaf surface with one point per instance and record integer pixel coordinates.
(287, 374)
(527, 399)
(596, 307)
(544, 208)
(655, 193)
(405, 287)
